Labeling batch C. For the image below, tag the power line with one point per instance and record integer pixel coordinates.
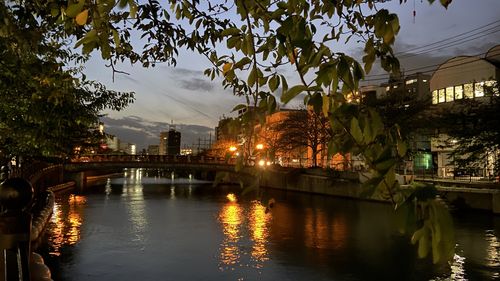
(474, 59)
(452, 43)
(452, 37)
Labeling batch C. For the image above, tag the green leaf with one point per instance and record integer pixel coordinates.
(356, 131)
(292, 93)
(75, 8)
(230, 31)
(116, 38)
(89, 37)
(238, 107)
(401, 146)
(252, 77)
(273, 83)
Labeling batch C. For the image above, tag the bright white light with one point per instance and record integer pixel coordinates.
(262, 163)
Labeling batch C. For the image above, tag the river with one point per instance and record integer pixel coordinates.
(146, 227)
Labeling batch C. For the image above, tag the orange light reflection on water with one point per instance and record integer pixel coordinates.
(260, 232)
(66, 223)
(241, 223)
(231, 218)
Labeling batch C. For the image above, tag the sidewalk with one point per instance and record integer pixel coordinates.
(474, 182)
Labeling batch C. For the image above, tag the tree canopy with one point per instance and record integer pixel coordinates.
(47, 106)
(248, 43)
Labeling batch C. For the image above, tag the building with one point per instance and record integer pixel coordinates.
(173, 142)
(162, 148)
(461, 78)
(153, 150)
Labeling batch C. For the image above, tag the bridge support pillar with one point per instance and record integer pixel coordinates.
(495, 203)
(80, 179)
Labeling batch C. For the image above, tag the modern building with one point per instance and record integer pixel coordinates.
(162, 149)
(173, 142)
(170, 142)
(460, 78)
(153, 150)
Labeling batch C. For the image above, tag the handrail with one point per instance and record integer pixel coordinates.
(16, 195)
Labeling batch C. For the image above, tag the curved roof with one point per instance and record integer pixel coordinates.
(460, 70)
(493, 55)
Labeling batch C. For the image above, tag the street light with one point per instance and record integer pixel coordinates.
(232, 148)
(259, 146)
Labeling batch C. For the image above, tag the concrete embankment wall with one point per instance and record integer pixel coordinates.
(347, 185)
(344, 185)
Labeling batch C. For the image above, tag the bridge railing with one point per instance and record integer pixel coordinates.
(152, 158)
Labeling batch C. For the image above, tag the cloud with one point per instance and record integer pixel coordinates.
(143, 132)
(196, 84)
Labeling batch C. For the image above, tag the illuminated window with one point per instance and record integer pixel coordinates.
(411, 81)
(387, 88)
(441, 96)
(459, 92)
(489, 87)
(478, 89)
(424, 81)
(468, 91)
(449, 94)
(434, 97)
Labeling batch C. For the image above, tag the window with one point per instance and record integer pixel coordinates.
(434, 97)
(425, 81)
(459, 92)
(449, 94)
(489, 87)
(441, 96)
(411, 81)
(468, 91)
(478, 89)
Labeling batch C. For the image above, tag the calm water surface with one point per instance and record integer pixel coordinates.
(150, 228)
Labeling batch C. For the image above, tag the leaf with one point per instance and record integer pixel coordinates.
(230, 31)
(133, 8)
(401, 146)
(89, 37)
(116, 38)
(273, 83)
(226, 67)
(356, 131)
(326, 105)
(238, 107)
(74, 8)
(81, 18)
(252, 77)
(287, 96)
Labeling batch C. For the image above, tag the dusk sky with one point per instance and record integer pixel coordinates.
(195, 104)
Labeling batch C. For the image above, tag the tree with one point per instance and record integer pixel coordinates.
(46, 108)
(270, 34)
(305, 129)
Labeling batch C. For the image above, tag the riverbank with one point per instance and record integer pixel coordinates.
(346, 184)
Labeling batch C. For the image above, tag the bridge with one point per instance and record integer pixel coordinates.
(185, 162)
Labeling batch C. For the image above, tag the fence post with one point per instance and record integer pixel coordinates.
(16, 195)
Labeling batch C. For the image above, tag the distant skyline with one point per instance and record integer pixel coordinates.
(185, 96)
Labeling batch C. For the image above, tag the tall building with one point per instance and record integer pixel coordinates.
(173, 142)
(162, 150)
(170, 142)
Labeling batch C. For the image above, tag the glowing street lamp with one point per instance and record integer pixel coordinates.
(259, 146)
(262, 163)
(232, 148)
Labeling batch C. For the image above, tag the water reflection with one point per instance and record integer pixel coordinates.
(259, 227)
(133, 193)
(66, 221)
(230, 217)
(242, 225)
(493, 252)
